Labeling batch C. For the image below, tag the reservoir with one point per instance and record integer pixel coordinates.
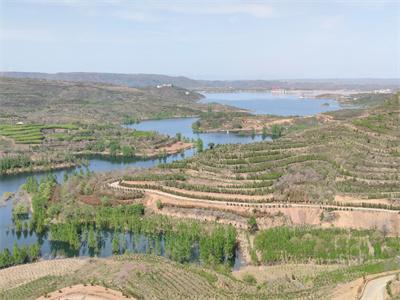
(257, 103)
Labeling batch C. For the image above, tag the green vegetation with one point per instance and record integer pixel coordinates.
(14, 162)
(302, 244)
(40, 200)
(249, 279)
(64, 145)
(32, 127)
(217, 120)
(77, 224)
(252, 224)
(303, 166)
(19, 255)
(199, 145)
(276, 131)
(30, 134)
(374, 123)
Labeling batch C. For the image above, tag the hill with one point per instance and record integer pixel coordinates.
(310, 175)
(147, 80)
(50, 101)
(46, 124)
(150, 277)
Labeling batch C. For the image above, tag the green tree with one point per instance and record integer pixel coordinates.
(127, 151)
(6, 259)
(252, 224)
(199, 145)
(276, 131)
(159, 204)
(114, 148)
(92, 238)
(264, 133)
(34, 252)
(65, 179)
(115, 243)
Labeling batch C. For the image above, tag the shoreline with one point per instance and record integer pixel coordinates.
(91, 155)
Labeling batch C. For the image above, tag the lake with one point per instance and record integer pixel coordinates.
(274, 104)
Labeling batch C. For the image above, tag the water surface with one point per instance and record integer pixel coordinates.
(274, 104)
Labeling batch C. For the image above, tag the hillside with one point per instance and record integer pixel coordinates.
(33, 100)
(150, 277)
(146, 80)
(47, 124)
(312, 174)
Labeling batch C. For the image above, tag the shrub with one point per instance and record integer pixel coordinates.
(249, 278)
(159, 204)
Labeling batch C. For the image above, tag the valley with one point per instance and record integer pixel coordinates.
(310, 176)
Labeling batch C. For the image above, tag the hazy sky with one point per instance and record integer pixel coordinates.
(203, 39)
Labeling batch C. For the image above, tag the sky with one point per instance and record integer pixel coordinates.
(204, 39)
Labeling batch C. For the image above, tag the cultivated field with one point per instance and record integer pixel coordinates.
(149, 277)
(344, 173)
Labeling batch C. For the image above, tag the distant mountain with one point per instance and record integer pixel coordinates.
(131, 80)
(146, 80)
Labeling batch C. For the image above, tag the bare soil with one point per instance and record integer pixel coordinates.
(88, 292)
(171, 149)
(287, 271)
(18, 275)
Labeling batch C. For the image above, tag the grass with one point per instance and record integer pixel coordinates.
(302, 244)
(373, 122)
(142, 133)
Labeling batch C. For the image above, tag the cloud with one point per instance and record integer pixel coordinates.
(258, 10)
(331, 22)
(137, 16)
(143, 11)
(26, 35)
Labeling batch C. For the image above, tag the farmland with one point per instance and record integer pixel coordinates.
(30, 134)
(150, 277)
(323, 194)
(38, 146)
(349, 158)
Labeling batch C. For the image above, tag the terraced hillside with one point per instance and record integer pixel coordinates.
(353, 162)
(149, 277)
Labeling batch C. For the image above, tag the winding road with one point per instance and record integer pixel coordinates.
(375, 289)
(116, 185)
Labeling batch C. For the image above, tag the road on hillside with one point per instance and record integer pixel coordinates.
(116, 185)
(375, 289)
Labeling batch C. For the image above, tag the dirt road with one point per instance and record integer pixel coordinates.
(375, 289)
(116, 185)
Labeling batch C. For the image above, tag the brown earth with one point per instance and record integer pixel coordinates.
(277, 214)
(359, 201)
(270, 273)
(353, 290)
(171, 149)
(18, 275)
(88, 292)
